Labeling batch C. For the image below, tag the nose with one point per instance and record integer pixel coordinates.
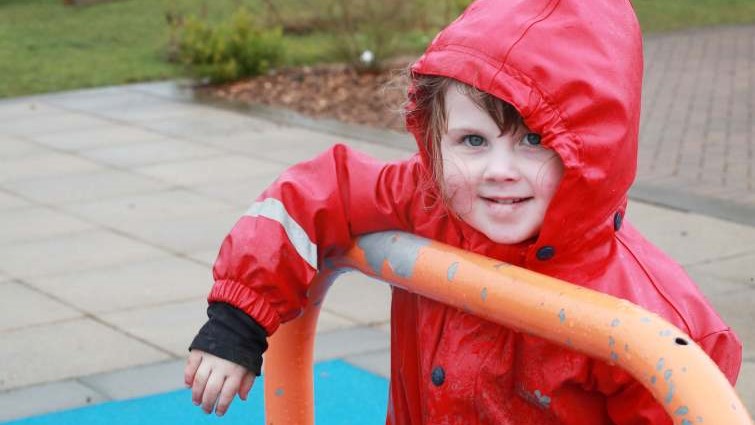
(501, 166)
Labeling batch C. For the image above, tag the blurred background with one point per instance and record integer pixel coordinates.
(54, 45)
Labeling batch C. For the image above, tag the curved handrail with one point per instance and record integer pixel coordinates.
(676, 370)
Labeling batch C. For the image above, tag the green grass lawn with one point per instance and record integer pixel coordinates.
(45, 46)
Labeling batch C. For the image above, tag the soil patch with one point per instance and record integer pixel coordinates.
(327, 91)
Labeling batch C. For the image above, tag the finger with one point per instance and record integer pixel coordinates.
(246, 385)
(230, 388)
(210, 397)
(192, 364)
(199, 383)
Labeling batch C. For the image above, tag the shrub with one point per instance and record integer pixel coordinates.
(230, 50)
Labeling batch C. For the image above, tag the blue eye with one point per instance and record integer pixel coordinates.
(473, 140)
(531, 139)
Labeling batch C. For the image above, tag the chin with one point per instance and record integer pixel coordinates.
(507, 238)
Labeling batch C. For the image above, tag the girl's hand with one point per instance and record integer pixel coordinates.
(214, 382)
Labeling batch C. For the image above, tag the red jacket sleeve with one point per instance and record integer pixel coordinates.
(312, 211)
(630, 403)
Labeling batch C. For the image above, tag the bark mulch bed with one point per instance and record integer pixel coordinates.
(327, 91)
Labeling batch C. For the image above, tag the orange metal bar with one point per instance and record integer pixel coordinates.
(677, 372)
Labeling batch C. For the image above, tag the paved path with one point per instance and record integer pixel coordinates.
(697, 149)
(114, 201)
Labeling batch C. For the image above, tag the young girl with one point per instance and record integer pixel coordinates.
(526, 116)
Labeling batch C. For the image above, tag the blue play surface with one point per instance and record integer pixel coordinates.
(344, 394)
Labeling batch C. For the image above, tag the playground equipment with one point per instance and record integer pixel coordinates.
(678, 373)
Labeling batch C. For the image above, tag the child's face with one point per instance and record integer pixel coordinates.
(499, 184)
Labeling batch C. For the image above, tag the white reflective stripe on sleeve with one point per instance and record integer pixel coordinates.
(275, 210)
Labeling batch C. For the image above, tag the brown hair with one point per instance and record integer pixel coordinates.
(428, 113)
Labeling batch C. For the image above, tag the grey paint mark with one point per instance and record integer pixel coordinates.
(667, 374)
(614, 357)
(645, 320)
(400, 250)
(670, 393)
(665, 332)
(484, 294)
(562, 316)
(626, 347)
(615, 322)
(279, 391)
(499, 265)
(542, 399)
(452, 269)
(659, 366)
(686, 422)
(569, 343)
(611, 341)
(653, 379)
(681, 411)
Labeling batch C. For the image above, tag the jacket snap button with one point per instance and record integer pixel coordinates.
(617, 219)
(438, 376)
(546, 253)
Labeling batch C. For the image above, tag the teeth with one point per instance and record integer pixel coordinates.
(506, 201)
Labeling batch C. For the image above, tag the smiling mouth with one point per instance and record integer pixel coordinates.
(507, 201)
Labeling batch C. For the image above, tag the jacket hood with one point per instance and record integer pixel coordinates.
(573, 70)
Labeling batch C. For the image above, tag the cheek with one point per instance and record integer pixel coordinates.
(550, 176)
(457, 186)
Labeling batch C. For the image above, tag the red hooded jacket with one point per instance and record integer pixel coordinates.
(573, 69)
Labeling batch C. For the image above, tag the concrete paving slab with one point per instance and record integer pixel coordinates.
(70, 253)
(242, 193)
(378, 362)
(746, 385)
(128, 286)
(12, 147)
(40, 399)
(736, 308)
(216, 169)
(738, 271)
(100, 99)
(24, 109)
(84, 187)
(17, 300)
(122, 212)
(272, 138)
(109, 135)
(292, 156)
(48, 164)
(384, 153)
(713, 285)
(169, 326)
(139, 381)
(205, 123)
(187, 234)
(152, 112)
(53, 123)
(360, 298)
(349, 342)
(69, 349)
(691, 238)
(9, 201)
(206, 257)
(177, 90)
(158, 150)
(36, 223)
(328, 322)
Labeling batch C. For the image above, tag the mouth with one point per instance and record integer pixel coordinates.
(506, 201)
